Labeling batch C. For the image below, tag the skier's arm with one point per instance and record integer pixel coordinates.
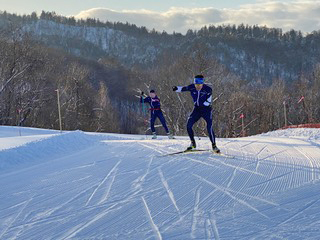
(181, 89)
(208, 101)
(145, 99)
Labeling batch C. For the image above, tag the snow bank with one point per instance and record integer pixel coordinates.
(13, 142)
(50, 148)
(310, 133)
(10, 131)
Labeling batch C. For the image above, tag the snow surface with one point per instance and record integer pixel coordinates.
(77, 185)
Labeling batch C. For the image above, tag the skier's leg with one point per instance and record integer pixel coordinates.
(207, 115)
(152, 120)
(163, 121)
(193, 118)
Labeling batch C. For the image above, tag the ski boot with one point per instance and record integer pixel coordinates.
(154, 135)
(215, 149)
(192, 146)
(170, 136)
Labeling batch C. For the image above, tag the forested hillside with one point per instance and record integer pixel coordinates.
(99, 67)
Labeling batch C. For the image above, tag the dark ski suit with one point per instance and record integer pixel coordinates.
(156, 112)
(202, 108)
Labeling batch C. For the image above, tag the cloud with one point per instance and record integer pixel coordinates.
(301, 15)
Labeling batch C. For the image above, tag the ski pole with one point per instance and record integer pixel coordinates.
(144, 114)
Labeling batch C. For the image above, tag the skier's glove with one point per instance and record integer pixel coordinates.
(142, 93)
(174, 88)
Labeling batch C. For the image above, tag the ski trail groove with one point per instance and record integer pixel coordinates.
(301, 210)
(271, 179)
(106, 194)
(200, 162)
(232, 177)
(195, 213)
(271, 176)
(310, 161)
(69, 201)
(70, 234)
(207, 229)
(154, 149)
(214, 227)
(137, 184)
(236, 167)
(52, 211)
(16, 217)
(170, 193)
(153, 225)
(258, 160)
(227, 192)
(274, 154)
(247, 144)
(111, 172)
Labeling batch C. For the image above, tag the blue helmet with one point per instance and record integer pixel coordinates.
(199, 79)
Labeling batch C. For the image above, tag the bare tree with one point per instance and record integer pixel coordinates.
(106, 115)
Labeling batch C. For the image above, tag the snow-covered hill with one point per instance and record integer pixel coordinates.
(107, 41)
(78, 185)
(131, 48)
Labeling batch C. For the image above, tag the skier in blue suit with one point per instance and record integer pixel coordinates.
(202, 97)
(156, 112)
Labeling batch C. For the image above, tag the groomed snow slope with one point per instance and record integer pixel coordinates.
(80, 185)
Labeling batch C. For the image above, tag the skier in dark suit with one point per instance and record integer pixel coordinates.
(202, 97)
(156, 112)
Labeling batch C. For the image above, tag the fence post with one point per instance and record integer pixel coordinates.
(59, 110)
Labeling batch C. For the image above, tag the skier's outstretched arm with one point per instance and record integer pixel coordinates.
(181, 89)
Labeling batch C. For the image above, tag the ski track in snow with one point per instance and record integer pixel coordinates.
(228, 193)
(105, 196)
(213, 224)
(118, 187)
(195, 213)
(153, 225)
(170, 194)
(15, 218)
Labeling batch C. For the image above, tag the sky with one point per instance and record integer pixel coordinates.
(181, 15)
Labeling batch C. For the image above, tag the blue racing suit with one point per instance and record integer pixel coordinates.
(156, 112)
(202, 108)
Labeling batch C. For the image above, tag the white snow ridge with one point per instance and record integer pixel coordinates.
(78, 185)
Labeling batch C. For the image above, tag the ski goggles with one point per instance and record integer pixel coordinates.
(198, 80)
